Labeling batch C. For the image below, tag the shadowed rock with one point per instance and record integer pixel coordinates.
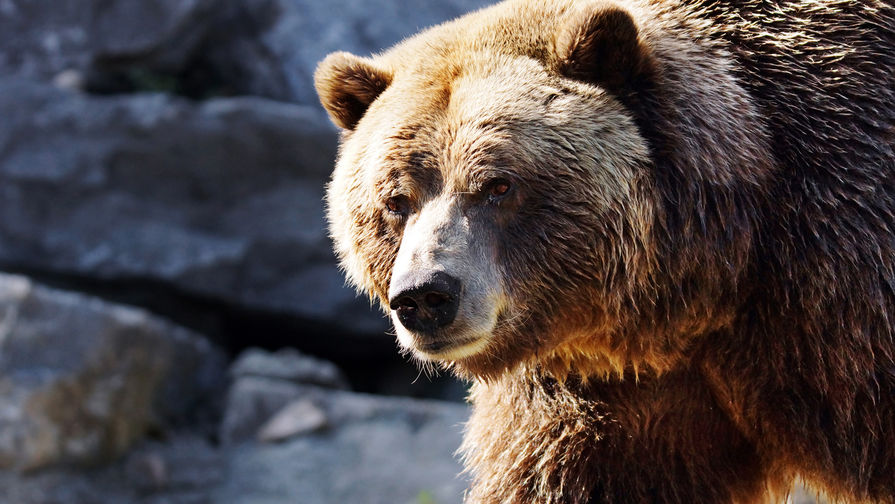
(82, 379)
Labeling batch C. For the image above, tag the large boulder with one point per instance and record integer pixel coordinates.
(82, 379)
(220, 199)
(269, 385)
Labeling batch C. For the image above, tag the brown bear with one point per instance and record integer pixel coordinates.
(659, 237)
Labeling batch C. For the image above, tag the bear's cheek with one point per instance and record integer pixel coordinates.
(378, 252)
(555, 271)
(365, 242)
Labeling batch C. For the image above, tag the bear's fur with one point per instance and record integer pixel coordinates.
(668, 233)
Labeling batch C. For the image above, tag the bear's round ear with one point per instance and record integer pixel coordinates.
(347, 85)
(601, 45)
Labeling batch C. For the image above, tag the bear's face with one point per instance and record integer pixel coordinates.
(496, 208)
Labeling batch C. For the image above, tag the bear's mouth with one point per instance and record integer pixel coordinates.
(450, 349)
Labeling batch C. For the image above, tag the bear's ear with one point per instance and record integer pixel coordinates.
(601, 45)
(347, 85)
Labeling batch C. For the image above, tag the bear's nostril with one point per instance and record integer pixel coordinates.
(404, 303)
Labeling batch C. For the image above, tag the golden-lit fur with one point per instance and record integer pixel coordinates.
(689, 293)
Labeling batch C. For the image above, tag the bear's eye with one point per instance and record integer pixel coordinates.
(498, 189)
(398, 205)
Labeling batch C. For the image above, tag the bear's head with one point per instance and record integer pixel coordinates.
(497, 193)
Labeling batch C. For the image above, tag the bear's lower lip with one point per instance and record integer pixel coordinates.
(450, 349)
(435, 347)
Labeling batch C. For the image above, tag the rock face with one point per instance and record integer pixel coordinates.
(348, 447)
(266, 386)
(221, 199)
(251, 47)
(373, 450)
(39, 40)
(82, 380)
(333, 445)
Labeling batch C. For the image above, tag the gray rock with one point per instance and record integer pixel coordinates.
(375, 450)
(259, 47)
(82, 379)
(296, 418)
(183, 469)
(290, 365)
(251, 402)
(221, 199)
(42, 39)
(268, 399)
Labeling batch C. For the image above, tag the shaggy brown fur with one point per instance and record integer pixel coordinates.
(690, 288)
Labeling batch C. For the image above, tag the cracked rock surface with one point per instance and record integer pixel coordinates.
(82, 380)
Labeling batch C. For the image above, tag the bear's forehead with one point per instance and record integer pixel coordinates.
(481, 80)
(474, 102)
(477, 119)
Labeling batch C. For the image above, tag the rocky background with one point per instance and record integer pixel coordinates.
(168, 277)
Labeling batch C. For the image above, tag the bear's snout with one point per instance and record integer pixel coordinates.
(425, 303)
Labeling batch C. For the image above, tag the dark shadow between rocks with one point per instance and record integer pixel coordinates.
(371, 362)
(227, 58)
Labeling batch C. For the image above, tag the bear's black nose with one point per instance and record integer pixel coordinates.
(425, 303)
